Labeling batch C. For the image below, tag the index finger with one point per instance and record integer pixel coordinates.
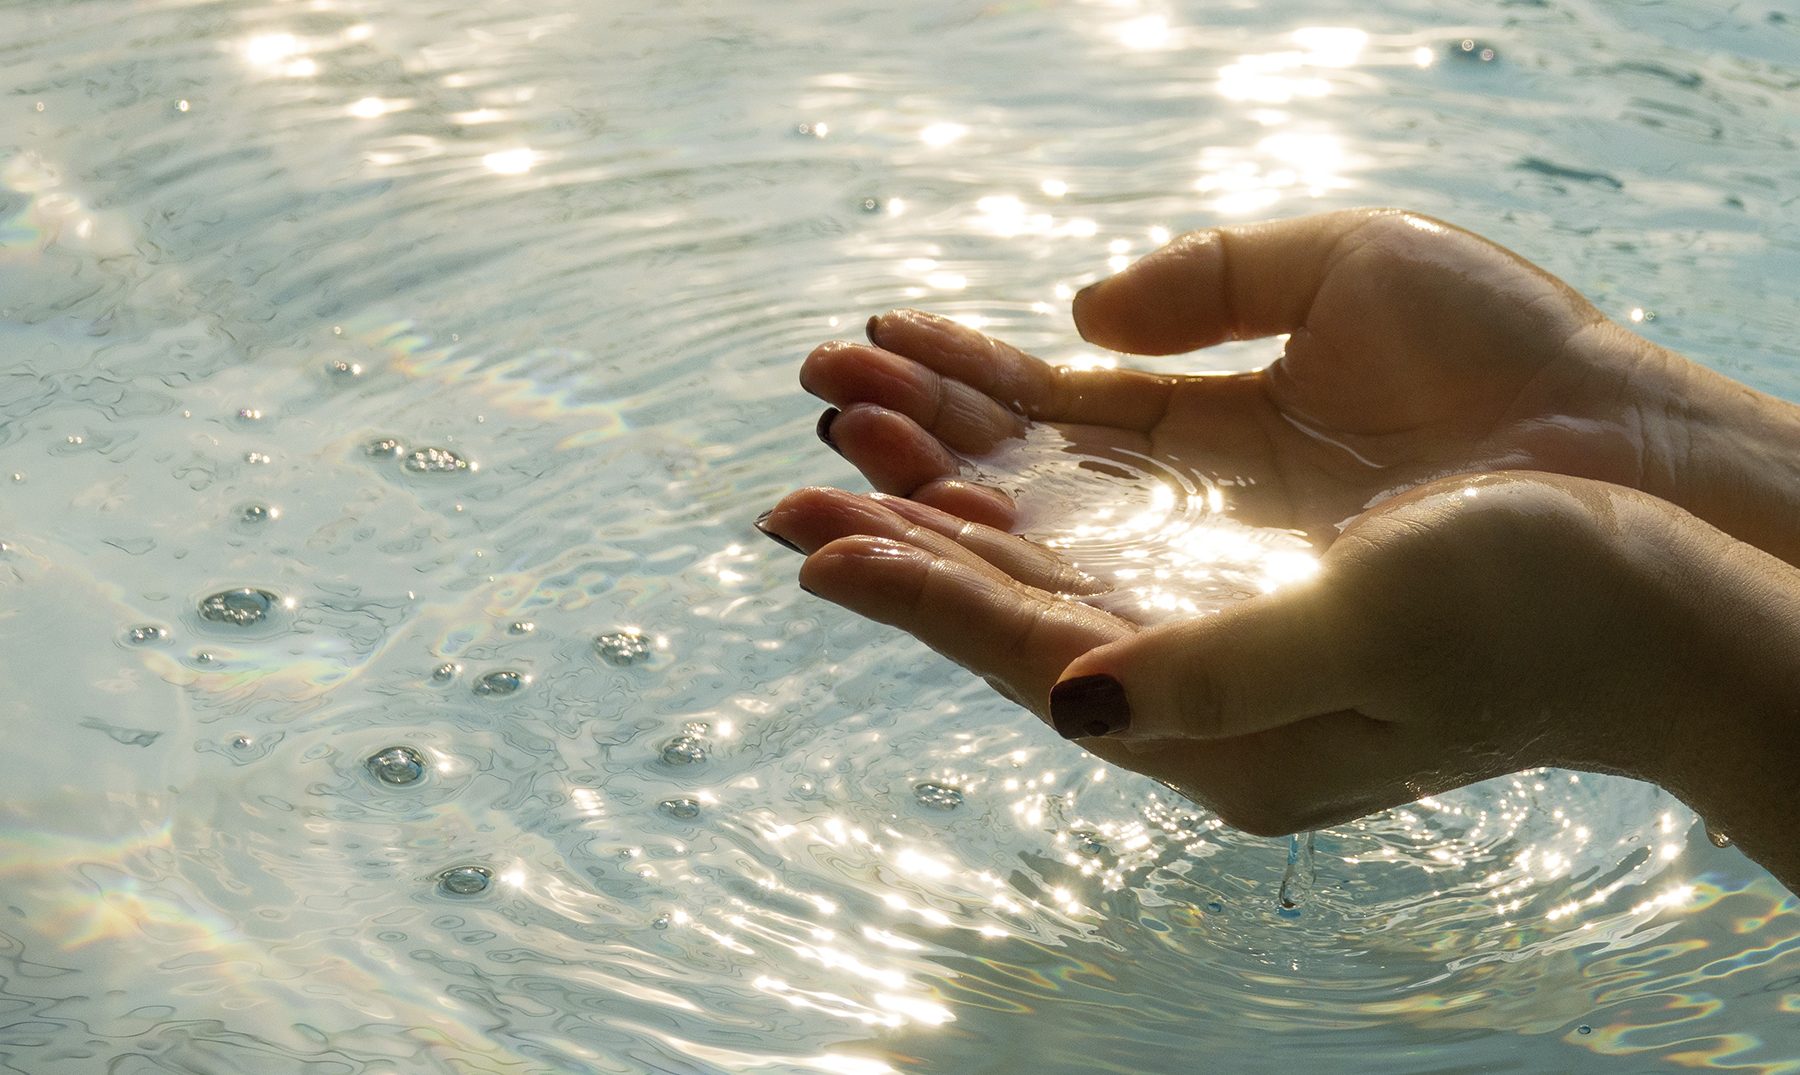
(1027, 385)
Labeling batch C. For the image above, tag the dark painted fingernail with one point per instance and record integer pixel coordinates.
(869, 329)
(1089, 706)
(824, 428)
(773, 536)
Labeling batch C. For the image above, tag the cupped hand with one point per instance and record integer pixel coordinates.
(1468, 628)
(1415, 350)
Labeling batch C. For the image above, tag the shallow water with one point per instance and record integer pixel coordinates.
(580, 249)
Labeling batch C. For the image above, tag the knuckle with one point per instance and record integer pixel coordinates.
(1202, 699)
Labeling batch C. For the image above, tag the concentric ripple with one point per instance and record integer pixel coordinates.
(429, 319)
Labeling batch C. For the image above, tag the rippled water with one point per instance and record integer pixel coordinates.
(467, 333)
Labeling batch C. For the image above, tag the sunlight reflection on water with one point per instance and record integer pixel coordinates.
(581, 249)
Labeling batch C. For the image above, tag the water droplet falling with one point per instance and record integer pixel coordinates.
(399, 766)
(383, 448)
(937, 796)
(1298, 877)
(242, 607)
(684, 750)
(499, 683)
(622, 648)
(145, 635)
(465, 880)
(680, 809)
(434, 461)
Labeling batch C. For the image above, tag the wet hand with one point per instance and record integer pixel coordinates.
(1415, 351)
(1465, 629)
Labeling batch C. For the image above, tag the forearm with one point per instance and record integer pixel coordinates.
(1724, 680)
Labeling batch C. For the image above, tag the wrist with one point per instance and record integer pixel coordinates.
(1720, 684)
(1722, 450)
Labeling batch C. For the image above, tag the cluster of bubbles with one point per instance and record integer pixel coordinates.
(623, 648)
(937, 796)
(242, 607)
(501, 683)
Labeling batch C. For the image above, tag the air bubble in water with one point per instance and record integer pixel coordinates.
(499, 683)
(242, 742)
(684, 750)
(1088, 843)
(397, 765)
(662, 922)
(680, 809)
(623, 648)
(465, 880)
(258, 513)
(435, 461)
(383, 448)
(145, 635)
(1584, 1029)
(445, 672)
(520, 627)
(1717, 838)
(937, 796)
(242, 607)
(344, 370)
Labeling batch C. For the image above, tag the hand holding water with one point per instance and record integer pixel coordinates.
(1415, 351)
(1462, 627)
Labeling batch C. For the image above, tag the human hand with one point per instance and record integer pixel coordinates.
(1468, 628)
(1416, 351)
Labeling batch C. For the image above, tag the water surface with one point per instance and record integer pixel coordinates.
(467, 335)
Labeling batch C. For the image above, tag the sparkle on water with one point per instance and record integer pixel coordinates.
(587, 244)
(434, 461)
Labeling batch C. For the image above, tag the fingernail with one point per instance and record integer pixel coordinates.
(869, 329)
(773, 536)
(804, 590)
(1089, 706)
(824, 427)
(1087, 289)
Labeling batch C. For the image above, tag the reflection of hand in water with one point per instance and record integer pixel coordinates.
(1465, 629)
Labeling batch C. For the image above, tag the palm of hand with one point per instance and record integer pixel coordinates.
(1416, 351)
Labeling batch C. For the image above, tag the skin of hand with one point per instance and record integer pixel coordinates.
(1415, 351)
(1465, 629)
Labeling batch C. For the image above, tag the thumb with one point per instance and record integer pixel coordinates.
(1269, 661)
